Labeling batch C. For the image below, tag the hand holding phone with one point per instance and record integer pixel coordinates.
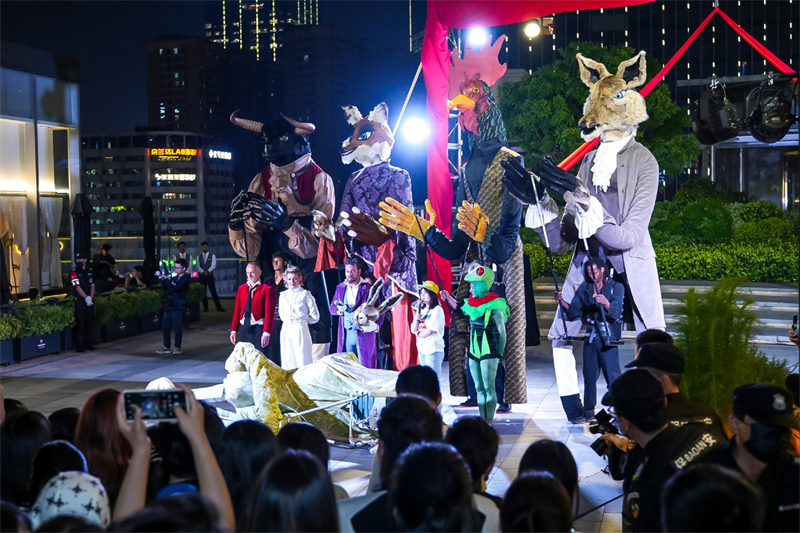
(155, 404)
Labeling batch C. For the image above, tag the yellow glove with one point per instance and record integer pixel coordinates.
(472, 221)
(396, 216)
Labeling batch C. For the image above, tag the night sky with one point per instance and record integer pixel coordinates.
(108, 38)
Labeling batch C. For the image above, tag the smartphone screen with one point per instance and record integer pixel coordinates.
(794, 324)
(155, 404)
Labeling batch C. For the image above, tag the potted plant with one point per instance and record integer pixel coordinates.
(150, 307)
(10, 328)
(41, 326)
(196, 294)
(117, 315)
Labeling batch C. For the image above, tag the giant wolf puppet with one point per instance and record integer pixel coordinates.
(276, 212)
(498, 241)
(616, 187)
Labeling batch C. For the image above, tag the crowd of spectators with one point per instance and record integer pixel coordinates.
(95, 470)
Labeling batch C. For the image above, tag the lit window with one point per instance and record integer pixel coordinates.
(177, 75)
(174, 50)
(160, 51)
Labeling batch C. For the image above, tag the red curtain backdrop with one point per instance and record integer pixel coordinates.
(465, 14)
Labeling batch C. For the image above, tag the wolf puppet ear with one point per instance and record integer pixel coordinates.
(591, 70)
(633, 71)
(352, 114)
(380, 114)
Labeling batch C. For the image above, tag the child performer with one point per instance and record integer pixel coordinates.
(297, 309)
(487, 314)
(428, 326)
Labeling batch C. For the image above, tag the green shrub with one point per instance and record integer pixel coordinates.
(196, 293)
(40, 318)
(715, 333)
(126, 304)
(696, 189)
(775, 231)
(707, 221)
(735, 210)
(760, 210)
(759, 262)
(666, 223)
(10, 327)
(540, 264)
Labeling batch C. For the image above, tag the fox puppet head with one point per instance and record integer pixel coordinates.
(372, 139)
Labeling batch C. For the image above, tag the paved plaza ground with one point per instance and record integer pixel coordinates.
(51, 382)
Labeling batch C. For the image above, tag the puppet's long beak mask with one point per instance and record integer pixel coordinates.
(462, 103)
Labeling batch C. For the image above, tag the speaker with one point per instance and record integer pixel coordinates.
(714, 118)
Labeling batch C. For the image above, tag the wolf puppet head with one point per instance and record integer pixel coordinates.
(613, 109)
(372, 139)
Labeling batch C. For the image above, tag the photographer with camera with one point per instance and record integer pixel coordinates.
(598, 300)
(641, 410)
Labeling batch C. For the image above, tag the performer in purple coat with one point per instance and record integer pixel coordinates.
(349, 295)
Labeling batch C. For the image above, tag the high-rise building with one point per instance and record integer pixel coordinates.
(257, 26)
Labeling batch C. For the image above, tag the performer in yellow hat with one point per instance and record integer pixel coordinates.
(428, 326)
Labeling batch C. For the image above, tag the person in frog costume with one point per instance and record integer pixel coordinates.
(487, 313)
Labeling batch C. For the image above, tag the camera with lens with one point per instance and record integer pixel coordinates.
(605, 424)
(601, 328)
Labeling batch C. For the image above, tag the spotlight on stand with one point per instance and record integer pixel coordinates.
(415, 130)
(477, 37)
(714, 118)
(532, 29)
(769, 110)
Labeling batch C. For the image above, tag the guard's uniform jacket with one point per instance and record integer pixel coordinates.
(680, 412)
(668, 452)
(780, 482)
(84, 314)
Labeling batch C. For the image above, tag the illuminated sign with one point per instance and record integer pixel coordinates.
(176, 177)
(173, 154)
(218, 154)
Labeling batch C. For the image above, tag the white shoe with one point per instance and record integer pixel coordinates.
(177, 351)
(164, 351)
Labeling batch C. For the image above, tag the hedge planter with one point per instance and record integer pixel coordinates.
(151, 322)
(120, 327)
(192, 313)
(30, 347)
(66, 339)
(6, 351)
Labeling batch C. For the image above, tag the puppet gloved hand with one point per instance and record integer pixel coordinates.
(238, 210)
(521, 184)
(588, 217)
(396, 216)
(273, 214)
(322, 227)
(364, 228)
(473, 221)
(538, 215)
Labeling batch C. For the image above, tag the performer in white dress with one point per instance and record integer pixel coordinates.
(297, 309)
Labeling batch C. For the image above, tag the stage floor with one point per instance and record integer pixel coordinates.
(49, 383)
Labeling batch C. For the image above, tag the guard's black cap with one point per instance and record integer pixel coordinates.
(634, 394)
(765, 403)
(661, 356)
(80, 255)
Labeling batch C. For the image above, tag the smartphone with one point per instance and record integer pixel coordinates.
(155, 404)
(794, 324)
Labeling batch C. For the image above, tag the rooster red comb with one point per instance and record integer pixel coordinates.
(484, 63)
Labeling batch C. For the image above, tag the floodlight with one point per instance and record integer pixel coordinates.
(415, 130)
(533, 29)
(477, 36)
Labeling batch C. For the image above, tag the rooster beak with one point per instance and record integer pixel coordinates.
(461, 102)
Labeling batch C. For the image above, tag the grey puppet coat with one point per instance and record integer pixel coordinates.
(637, 186)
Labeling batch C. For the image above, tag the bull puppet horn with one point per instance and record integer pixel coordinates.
(250, 125)
(300, 128)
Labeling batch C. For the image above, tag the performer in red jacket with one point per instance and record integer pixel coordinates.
(254, 311)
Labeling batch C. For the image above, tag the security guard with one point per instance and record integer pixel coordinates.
(761, 424)
(667, 364)
(82, 279)
(640, 407)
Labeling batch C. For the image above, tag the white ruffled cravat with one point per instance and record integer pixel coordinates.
(605, 162)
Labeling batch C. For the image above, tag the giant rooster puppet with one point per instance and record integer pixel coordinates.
(493, 223)
(608, 206)
(276, 212)
(390, 254)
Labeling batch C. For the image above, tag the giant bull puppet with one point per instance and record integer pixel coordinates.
(609, 206)
(390, 254)
(276, 212)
